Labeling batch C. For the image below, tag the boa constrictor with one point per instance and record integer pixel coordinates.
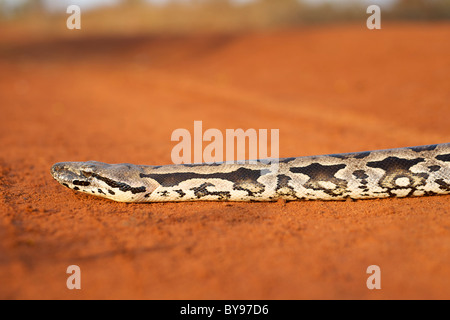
(413, 171)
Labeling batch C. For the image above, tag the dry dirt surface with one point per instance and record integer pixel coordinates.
(328, 89)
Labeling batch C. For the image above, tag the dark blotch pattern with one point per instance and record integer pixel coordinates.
(246, 185)
(119, 185)
(434, 168)
(283, 188)
(180, 192)
(444, 157)
(423, 148)
(323, 173)
(360, 174)
(173, 179)
(81, 183)
(396, 168)
(286, 160)
(362, 177)
(361, 155)
(241, 178)
(193, 165)
(164, 193)
(355, 155)
(201, 192)
(443, 185)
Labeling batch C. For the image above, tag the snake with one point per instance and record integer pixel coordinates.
(401, 172)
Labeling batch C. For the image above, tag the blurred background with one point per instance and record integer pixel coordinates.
(183, 16)
(305, 55)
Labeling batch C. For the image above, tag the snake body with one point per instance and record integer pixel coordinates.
(402, 172)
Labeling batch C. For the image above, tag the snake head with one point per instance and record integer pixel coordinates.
(74, 174)
(113, 181)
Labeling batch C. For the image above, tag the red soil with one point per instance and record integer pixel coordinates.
(328, 89)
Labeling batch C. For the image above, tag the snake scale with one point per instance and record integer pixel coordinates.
(402, 172)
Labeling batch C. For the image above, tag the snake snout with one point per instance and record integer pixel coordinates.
(67, 172)
(57, 169)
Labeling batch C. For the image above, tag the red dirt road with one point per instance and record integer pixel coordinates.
(328, 89)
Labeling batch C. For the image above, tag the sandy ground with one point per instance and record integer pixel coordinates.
(328, 89)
